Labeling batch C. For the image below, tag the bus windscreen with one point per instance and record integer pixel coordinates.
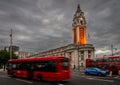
(65, 63)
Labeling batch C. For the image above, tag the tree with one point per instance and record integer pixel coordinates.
(5, 56)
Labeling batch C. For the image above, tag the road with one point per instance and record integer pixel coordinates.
(76, 79)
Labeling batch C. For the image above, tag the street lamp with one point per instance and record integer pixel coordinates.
(11, 44)
(112, 48)
(78, 56)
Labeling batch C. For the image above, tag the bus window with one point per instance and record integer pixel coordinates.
(12, 65)
(46, 66)
(114, 59)
(90, 60)
(104, 60)
(9, 66)
(110, 59)
(118, 59)
(105, 66)
(23, 66)
(65, 63)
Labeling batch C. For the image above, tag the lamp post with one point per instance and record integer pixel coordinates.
(78, 56)
(11, 44)
(112, 48)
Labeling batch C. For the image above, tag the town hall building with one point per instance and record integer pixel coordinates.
(79, 49)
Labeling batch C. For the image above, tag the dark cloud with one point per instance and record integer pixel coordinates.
(40, 25)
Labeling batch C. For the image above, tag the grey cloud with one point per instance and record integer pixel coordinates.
(41, 25)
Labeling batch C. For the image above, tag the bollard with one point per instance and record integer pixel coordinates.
(119, 72)
(110, 74)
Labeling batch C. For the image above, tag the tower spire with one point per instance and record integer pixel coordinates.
(78, 8)
(79, 18)
(79, 27)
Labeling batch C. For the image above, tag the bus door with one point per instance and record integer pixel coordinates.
(25, 70)
(21, 70)
(9, 68)
(30, 70)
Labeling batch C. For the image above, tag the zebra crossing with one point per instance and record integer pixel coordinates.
(82, 74)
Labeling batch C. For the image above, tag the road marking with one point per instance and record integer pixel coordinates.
(116, 77)
(4, 76)
(82, 76)
(89, 78)
(24, 81)
(82, 73)
(101, 79)
(60, 84)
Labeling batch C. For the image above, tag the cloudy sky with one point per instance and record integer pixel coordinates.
(40, 25)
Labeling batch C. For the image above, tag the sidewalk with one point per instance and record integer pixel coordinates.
(2, 71)
(113, 76)
(78, 71)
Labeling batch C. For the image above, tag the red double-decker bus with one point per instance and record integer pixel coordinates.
(110, 63)
(89, 62)
(52, 68)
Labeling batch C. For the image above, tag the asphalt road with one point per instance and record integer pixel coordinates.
(76, 79)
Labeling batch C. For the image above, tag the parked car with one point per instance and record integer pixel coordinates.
(95, 71)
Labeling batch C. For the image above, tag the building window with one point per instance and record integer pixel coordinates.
(89, 56)
(82, 57)
(70, 54)
(81, 64)
(89, 52)
(82, 52)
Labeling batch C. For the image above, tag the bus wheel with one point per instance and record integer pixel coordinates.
(39, 78)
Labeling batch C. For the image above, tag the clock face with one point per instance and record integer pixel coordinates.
(81, 18)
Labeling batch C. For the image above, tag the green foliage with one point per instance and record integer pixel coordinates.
(5, 56)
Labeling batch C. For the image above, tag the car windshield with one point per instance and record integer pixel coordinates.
(93, 68)
(97, 69)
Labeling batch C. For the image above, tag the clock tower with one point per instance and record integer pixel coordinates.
(79, 27)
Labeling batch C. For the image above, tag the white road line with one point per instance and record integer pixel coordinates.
(24, 81)
(4, 77)
(101, 79)
(60, 84)
(82, 73)
(82, 76)
(95, 78)
(116, 77)
(89, 78)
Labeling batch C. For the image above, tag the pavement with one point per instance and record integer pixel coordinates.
(2, 71)
(113, 76)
